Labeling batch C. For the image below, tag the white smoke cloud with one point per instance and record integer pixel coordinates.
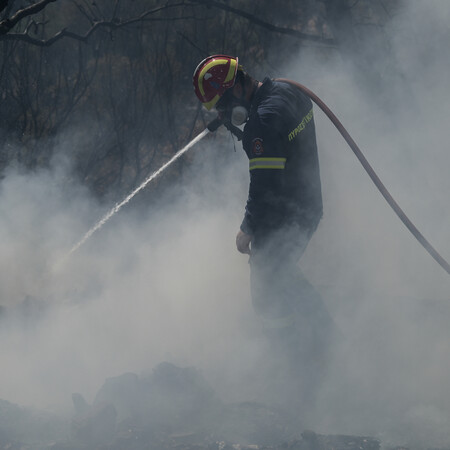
(389, 297)
(147, 287)
(169, 285)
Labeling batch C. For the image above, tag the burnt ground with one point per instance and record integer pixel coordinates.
(172, 408)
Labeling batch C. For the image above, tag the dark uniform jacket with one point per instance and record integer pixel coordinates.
(280, 142)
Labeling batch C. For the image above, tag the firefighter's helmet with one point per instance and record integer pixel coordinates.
(213, 76)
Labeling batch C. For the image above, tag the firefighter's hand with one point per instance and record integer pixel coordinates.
(243, 242)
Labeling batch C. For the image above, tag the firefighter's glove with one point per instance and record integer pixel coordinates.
(243, 242)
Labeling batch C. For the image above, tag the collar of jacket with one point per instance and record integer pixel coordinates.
(260, 93)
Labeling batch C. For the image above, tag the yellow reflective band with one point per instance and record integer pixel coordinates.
(211, 103)
(231, 71)
(267, 163)
(215, 62)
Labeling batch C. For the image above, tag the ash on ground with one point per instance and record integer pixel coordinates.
(173, 408)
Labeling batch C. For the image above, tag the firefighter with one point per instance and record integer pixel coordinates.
(284, 205)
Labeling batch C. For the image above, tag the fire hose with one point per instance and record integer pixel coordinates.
(362, 159)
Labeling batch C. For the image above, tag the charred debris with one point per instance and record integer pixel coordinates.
(171, 408)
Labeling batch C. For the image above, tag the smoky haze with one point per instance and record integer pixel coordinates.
(166, 283)
(389, 298)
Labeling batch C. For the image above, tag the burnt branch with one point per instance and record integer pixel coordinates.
(267, 25)
(8, 24)
(114, 23)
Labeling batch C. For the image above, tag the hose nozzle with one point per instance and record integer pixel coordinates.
(214, 124)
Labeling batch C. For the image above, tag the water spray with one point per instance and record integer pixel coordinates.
(151, 177)
(368, 168)
(212, 126)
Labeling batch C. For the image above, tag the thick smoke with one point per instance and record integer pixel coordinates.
(167, 284)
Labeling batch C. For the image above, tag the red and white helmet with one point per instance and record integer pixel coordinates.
(213, 76)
